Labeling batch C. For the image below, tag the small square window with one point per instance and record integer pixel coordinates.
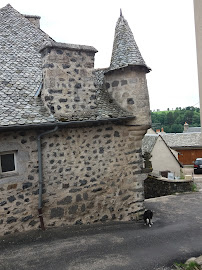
(7, 163)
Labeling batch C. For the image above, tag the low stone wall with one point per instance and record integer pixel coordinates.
(156, 187)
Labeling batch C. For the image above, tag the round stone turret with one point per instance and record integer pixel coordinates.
(125, 79)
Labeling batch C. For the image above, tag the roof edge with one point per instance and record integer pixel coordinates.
(147, 69)
(25, 15)
(6, 6)
(53, 44)
(31, 16)
(63, 124)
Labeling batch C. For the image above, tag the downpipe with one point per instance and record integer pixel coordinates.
(40, 204)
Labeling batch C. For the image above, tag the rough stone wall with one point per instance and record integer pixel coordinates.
(68, 85)
(128, 86)
(91, 174)
(154, 187)
(19, 192)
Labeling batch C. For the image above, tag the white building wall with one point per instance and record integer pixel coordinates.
(175, 153)
(163, 160)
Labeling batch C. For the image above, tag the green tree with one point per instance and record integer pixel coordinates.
(167, 129)
(196, 119)
(177, 128)
(188, 116)
(173, 121)
(170, 118)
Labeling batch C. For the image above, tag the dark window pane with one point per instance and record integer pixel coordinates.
(7, 163)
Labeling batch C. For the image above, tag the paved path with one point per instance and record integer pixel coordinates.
(175, 236)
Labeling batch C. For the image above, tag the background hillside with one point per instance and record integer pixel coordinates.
(173, 121)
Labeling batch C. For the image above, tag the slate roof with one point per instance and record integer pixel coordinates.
(21, 76)
(125, 50)
(193, 129)
(20, 70)
(148, 142)
(183, 140)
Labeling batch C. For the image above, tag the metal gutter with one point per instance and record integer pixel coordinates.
(41, 174)
(70, 123)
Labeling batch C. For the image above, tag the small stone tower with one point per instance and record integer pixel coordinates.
(126, 77)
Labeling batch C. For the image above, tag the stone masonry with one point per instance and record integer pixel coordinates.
(125, 86)
(90, 175)
(68, 79)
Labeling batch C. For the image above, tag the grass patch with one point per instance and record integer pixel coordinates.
(187, 266)
(182, 174)
(194, 188)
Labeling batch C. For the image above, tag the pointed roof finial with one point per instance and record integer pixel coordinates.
(121, 12)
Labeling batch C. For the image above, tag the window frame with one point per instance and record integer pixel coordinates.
(9, 173)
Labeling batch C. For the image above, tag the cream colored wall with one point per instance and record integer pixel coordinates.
(198, 29)
(162, 159)
(175, 153)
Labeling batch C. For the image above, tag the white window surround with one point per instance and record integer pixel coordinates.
(11, 172)
(22, 158)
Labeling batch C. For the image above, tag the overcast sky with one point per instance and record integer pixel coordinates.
(163, 29)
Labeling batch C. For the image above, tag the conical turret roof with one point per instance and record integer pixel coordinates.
(125, 50)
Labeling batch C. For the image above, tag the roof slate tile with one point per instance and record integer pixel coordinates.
(181, 140)
(125, 50)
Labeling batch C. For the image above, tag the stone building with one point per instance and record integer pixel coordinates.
(70, 135)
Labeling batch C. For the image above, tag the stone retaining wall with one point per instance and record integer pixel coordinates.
(156, 187)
